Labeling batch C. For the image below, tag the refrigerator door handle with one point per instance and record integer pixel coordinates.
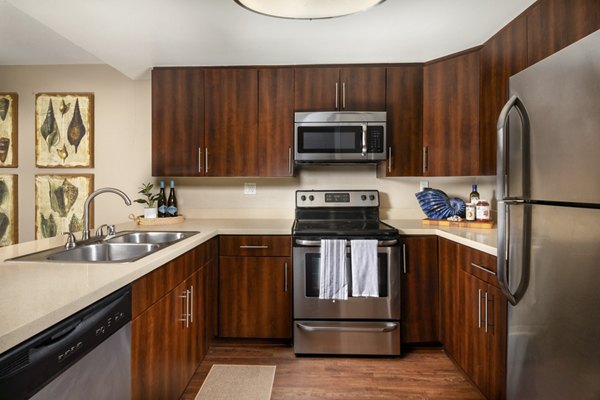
(503, 149)
(504, 249)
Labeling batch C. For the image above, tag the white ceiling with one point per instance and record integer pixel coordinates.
(134, 35)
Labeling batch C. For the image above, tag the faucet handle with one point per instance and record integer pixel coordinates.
(112, 231)
(100, 228)
(70, 240)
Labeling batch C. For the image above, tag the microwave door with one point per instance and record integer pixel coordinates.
(329, 142)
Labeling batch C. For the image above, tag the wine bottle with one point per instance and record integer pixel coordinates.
(162, 201)
(172, 202)
(474, 196)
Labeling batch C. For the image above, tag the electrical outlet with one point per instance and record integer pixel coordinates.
(249, 188)
(423, 185)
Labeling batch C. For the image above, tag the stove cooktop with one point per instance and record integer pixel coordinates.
(343, 228)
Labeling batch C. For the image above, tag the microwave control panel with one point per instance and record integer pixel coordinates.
(375, 142)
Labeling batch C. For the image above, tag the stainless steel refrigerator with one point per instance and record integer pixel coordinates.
(548, 190)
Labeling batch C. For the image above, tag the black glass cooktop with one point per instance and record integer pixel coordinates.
(341, 228)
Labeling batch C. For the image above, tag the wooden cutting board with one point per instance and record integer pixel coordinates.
(461, 224)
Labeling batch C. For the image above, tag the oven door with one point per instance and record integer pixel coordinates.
(339, 142)
(307, 304)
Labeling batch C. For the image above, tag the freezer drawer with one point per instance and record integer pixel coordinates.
(346, 337)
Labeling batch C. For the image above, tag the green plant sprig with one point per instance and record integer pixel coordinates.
(150, 199)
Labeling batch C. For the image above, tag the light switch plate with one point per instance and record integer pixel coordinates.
(423, 185)
(249, 188)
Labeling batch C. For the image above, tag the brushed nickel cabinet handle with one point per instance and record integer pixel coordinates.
(254, 247)
(192, 304)
(186, 295)
(425, 158)
(337, 96)
(343, 95)
(199, 160)
(479, 308)
(484, 269)
(290, 160)
(486, 311)
(390, 159)
(285, 278)
(206, 160)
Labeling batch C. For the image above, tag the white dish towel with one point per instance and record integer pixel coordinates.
(365, 276)
(333, 283)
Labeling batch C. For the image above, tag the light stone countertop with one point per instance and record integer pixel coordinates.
(35, 296)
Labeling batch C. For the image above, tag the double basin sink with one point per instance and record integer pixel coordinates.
(124, 247)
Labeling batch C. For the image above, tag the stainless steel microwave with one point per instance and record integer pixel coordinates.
(340, 137)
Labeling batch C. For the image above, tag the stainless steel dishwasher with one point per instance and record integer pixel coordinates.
(85, 356)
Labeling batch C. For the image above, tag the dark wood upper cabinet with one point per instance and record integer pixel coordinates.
(275, 121)
(177, 121)
(344, 89)
(555, 24)
(404, 105)
(420, 308)
(503, 55)
(231, 121)
(451, 116)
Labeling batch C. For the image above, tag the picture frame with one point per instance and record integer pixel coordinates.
(59, 203)
(64, 130)
(9, 135)
(9, 209)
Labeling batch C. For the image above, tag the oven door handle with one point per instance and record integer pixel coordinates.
(385, 327)
(317, 243)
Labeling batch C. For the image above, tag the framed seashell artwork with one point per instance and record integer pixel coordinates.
(9, 120)
(9, 213)
(64, 130)
(59, 201)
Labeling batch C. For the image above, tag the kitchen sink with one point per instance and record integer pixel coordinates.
(105, 252)
(124, 247)
(149, 237)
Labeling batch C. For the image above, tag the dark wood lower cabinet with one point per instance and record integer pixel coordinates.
(254, 297)
(420, 308)
(172, 325)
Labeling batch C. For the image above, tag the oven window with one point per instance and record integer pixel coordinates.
(334, 139)
(313, 270)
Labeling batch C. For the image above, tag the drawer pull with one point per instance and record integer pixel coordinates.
(489, 271)
(254, 247)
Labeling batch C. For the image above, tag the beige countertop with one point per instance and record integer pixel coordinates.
(35, 296)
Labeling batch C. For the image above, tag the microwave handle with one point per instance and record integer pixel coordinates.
(364, 140)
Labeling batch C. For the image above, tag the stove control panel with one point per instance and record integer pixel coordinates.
(337, 198)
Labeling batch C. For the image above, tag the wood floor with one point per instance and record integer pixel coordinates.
(418, 374)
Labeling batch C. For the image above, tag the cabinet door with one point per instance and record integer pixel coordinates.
(474, 344)
(420, 290)
(451, 116)
(254, 297)
(504, 55)
(231, 121)
(316, 89)
(555, 24)
(404, 106)
(162, 362)
(275, 121)
(448, 262)
(362, 89)
(496, 336)
(177, 121)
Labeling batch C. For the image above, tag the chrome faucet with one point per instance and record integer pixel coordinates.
(85, 235)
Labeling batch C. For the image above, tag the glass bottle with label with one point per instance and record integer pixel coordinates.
(172, 202)
(482, 210)
(162, 201)
(474, 195)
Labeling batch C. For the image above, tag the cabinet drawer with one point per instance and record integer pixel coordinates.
(255, 245)
(480, 265)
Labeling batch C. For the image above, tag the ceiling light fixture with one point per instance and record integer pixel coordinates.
(307, 9)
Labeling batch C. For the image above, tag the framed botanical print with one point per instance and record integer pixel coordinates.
(64, 130)
(9, 213)
(9, 119)
(59, 201)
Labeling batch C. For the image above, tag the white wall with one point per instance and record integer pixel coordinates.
(123, 157)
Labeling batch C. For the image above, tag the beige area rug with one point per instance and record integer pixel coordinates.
(233, 382)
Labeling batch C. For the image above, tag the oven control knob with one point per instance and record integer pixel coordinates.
(311, 197)
(303, 198)
(363, 197)
(372, 197)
